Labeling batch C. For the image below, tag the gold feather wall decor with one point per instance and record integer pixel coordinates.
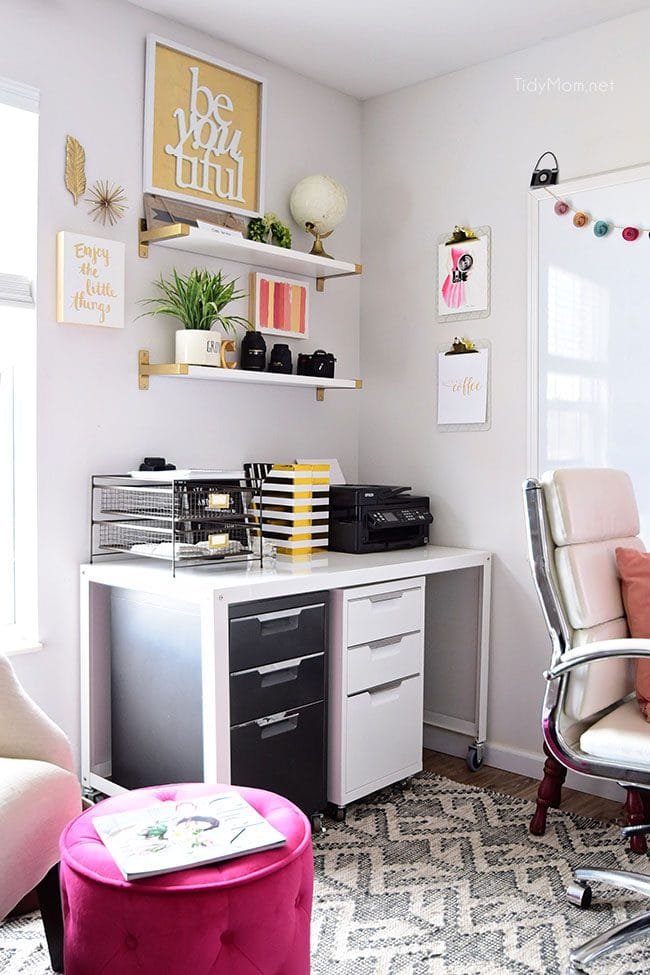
(75, 168)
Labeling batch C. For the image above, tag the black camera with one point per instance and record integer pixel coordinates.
(319, 363)
(547, 176)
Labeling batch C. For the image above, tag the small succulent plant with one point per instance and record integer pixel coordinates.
(269, 229)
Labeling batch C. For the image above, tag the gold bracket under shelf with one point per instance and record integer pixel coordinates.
(320, 390)
(145, 369)
(170, 232)
(320, 282)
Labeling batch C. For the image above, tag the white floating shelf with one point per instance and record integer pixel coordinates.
(180, 236)
(214, 374)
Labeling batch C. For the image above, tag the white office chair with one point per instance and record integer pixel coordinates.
(591, 722)
(39, 795)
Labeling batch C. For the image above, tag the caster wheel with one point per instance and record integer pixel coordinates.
(91, 797)
(579, 894)
(317, 823)
(474, 757)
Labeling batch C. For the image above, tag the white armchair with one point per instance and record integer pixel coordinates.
(39, 794)
(576, 519)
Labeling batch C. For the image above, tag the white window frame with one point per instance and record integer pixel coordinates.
(18, 407)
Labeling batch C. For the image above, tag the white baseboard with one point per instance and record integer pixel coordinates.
(518, 760)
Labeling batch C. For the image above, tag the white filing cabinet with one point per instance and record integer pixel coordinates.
(376, 688)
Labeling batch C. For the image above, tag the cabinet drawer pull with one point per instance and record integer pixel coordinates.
(283, 676)
(283, 625)
(377, 691)
(281, 614)
(278, 725)
(382, 597)
(388, 641)
(278, 665)
(385, 693)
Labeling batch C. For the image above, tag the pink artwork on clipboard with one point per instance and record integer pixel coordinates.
(453, 287)
(464, 274)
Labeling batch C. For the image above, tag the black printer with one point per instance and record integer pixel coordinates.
(376, 518)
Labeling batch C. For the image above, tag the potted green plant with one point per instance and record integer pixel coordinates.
(269, 229)
(199, 301)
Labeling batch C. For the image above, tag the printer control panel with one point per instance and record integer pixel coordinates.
(398, 516)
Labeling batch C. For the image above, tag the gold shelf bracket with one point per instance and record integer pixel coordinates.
(171, 232)
(145, 369)
(320, 282)
(320, 390)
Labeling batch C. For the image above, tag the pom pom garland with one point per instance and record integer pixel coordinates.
(601, 227)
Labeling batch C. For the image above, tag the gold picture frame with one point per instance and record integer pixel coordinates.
(204, 127)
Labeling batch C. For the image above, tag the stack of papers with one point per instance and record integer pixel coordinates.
(188, 475)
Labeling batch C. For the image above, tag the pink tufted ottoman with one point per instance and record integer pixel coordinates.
(249, 916)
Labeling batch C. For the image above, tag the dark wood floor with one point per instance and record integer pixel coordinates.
(519, 785)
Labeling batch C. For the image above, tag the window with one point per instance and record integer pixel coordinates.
(18, 228)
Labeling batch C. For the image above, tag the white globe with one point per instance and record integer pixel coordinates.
(318, 200)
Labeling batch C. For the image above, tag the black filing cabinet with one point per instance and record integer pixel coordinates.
(278, 673)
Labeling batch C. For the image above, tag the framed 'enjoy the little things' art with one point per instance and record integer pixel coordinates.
(463, 274)
(90, 280)
(203, 130)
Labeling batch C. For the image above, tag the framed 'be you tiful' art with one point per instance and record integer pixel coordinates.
(203, 131)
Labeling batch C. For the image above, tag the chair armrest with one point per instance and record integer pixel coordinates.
(601, 650)
(25, 730)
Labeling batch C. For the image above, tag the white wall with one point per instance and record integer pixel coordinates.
(460, 149)
(457, 149)
(87, 59)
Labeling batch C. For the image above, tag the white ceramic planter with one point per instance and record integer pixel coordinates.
(197, 347)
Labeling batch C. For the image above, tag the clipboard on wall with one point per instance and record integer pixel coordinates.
(463, 386)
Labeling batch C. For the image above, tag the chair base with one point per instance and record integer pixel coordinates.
(549, 796)
(637, 813)
(49, 900)
(632, 930)
(549, 793)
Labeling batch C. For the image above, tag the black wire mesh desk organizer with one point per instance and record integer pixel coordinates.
(196, 521)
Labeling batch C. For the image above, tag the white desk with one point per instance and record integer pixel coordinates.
(213, 590)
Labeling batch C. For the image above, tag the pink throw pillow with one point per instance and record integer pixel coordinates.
(634, 570)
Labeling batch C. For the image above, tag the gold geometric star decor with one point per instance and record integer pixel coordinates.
(108, 202)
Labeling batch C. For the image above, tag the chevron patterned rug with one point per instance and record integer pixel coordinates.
(441, 879)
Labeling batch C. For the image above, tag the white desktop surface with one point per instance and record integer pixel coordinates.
(247, 581)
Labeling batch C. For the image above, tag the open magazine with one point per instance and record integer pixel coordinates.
(177, 834)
